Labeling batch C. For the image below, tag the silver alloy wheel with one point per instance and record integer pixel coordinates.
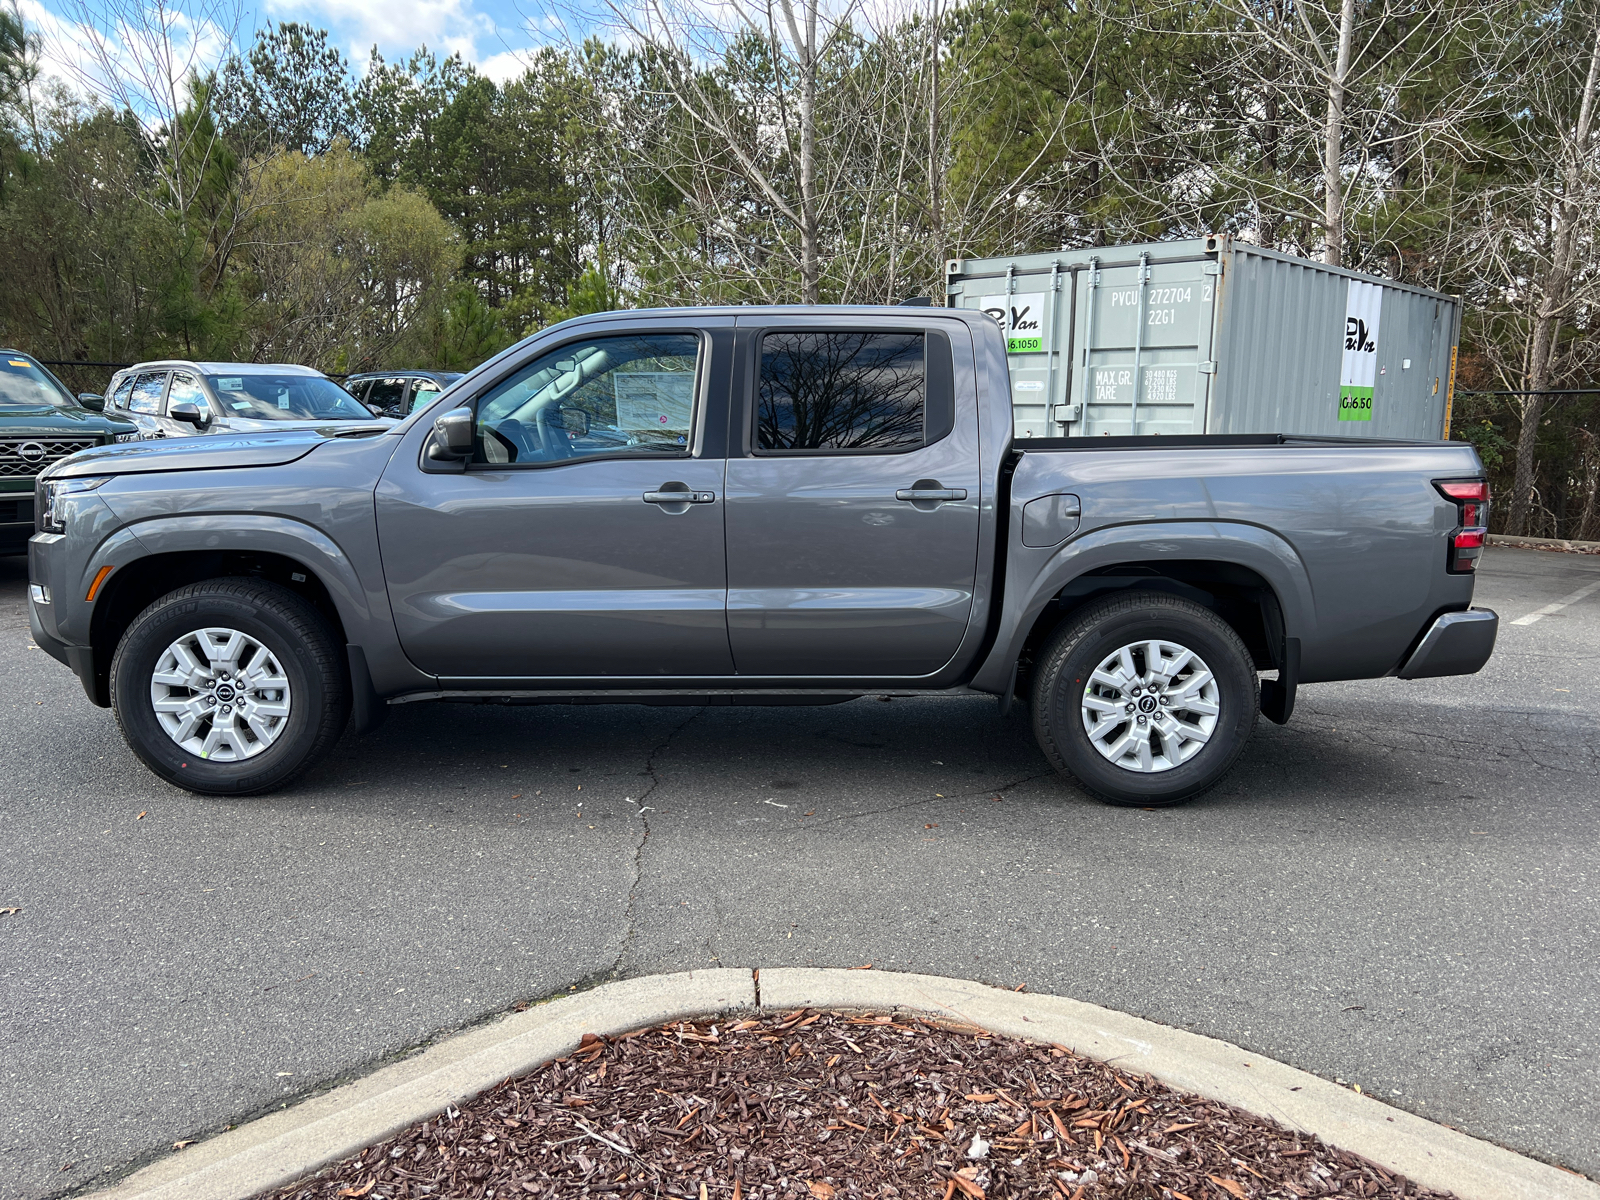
(1151, 706)
(220, 694)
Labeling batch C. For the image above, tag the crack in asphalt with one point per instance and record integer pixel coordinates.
(631, 916)
(872, 812)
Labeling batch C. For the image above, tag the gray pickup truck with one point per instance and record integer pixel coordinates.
(749, 506)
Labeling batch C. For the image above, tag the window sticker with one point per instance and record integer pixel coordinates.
(659, 400)
(231, 383)
(15, 363)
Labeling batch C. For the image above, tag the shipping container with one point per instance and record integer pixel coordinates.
(1212, 335)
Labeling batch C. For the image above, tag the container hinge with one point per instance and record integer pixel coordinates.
(1208, 368)
(1211, 268)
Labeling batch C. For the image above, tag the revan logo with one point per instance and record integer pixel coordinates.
(1020, 319)
(1358, 337)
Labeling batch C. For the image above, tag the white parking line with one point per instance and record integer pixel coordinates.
(1558, 605)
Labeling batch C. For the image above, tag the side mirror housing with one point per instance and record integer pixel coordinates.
(376, 410)
(93, 401)
(451, 439)
(188, 412)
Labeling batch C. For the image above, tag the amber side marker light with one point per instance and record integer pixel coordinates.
(99, 578)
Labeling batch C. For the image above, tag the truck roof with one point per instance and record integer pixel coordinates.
(820, 311)
(222, 368)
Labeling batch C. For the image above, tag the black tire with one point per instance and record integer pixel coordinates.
(1088, 638)
(306, 649)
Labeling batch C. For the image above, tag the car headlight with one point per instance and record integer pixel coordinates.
(129, 437)
(49, 494)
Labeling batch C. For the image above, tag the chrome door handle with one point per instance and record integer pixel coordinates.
(679, 497)
(915, 494)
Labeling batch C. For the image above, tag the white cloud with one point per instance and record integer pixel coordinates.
(444, 26)
(505, 66)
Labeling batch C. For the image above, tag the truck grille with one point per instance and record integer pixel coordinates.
(29, 456)
(20, 509)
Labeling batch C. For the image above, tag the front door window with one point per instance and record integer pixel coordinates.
(146, 396)
(631, 395)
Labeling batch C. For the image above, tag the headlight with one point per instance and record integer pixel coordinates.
(129, 437)
(48, 497)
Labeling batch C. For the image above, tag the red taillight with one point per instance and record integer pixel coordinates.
(1472, 503)
(1464, 489)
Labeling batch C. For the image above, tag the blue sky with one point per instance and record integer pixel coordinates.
(488, 33)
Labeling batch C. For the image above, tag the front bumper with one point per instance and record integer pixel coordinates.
(46, 570)
(1457, 643)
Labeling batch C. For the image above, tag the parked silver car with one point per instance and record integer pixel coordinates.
(178, 398)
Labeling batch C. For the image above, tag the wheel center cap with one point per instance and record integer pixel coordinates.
(225, 693)
(1147, 704)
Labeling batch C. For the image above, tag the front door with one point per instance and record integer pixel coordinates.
(585, 538)
(146, 402)
(853, 503)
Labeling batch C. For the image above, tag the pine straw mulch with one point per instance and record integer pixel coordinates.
(816, 1106)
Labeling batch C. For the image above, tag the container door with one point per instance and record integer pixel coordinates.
(1033, 317)
(1143, 363)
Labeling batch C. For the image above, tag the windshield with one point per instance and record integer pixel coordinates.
(286, 398)
(25, 384)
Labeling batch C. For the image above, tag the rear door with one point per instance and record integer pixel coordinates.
(853, 500)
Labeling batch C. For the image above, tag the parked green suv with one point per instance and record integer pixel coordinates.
(40, 423)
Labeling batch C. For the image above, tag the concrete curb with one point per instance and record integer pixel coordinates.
(291, 1144)
(1533, 543)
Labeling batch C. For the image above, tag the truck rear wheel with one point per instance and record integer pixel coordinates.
(230, 687)
(1145, 699)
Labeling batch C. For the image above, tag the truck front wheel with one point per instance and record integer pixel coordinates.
(1144, 698)
(229, 687)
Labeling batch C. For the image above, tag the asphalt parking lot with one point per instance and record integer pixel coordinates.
(1398, 890)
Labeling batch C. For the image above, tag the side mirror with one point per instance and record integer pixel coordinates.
(375, 410)
(575, 421)
(188, 412)
(452, 435)
(93, 401)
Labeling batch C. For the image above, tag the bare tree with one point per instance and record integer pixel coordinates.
(759, 125)
(145, 58)
(1325, 105)
(1570, 206)
(155, 60)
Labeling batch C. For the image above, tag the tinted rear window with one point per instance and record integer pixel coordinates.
(841, 391)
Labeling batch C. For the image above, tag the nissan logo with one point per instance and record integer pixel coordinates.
(31, 452)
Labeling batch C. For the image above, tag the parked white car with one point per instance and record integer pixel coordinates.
(178, 398)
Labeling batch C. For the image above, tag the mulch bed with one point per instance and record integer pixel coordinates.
(816, 1105)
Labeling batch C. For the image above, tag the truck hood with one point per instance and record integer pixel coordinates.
(207, 452)
(49, 420)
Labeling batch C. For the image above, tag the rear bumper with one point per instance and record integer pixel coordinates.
(1457, 643)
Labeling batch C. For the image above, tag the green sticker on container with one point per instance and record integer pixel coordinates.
(1355, 403)
(1024, 345)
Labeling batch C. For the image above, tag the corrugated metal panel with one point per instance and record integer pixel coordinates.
(1217, 337)
(1280, 337)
